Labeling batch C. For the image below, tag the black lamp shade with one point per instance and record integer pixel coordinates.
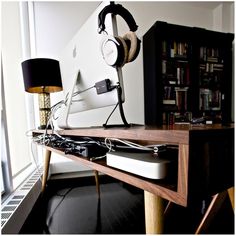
(41, 75)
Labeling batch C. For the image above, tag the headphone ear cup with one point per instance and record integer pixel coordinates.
(109, 50)
(114, 51)
(133, 44)
(123, 53)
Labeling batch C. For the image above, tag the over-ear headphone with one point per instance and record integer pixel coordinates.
(117, 50)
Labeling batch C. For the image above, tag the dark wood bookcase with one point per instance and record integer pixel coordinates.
(187, 75)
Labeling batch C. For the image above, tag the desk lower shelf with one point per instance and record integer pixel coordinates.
(162, 188)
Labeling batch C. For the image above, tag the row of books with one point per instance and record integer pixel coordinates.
(170, 118)
(180, 49)
(210, 81)
(210, 75)
(209, 99)
(176, 96)
(210, 54)
(211, 67)
(175, 73)
(174, 49)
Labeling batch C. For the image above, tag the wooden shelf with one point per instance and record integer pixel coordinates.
(160, 188)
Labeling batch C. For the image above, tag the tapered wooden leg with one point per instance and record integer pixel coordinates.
(212, 210)
(154, 213)
(231, 196)
(46, 168)
(97, 182)
(168, 207)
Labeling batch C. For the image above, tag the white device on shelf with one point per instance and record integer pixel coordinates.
(144, 164)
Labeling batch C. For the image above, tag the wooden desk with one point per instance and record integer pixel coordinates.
(205, 163)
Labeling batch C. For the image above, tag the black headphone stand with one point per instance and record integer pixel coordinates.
(125, 123)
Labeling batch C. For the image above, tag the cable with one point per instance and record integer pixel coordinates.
(97, 158)
(105, 125)
(49, 221)
(94, 149)
(119, 91)
(127, 143)
(102, 86)
(119, 95)
(35, 161)
(79, 92)
(85, 147)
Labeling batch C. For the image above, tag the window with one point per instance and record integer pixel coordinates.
(14, 105)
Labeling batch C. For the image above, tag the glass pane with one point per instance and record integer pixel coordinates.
(13, 87)
(2, 184)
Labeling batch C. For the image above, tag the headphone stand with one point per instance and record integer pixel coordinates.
(125, 123)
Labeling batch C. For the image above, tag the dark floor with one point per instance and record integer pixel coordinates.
(72, 207)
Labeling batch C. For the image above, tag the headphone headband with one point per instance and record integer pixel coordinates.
(116, 9)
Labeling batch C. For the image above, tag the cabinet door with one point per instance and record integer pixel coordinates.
(214, 76)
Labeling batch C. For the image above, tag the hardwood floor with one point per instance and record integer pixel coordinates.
(78, 210)
(72, 207)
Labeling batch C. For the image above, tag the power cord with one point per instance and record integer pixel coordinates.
(101, 87)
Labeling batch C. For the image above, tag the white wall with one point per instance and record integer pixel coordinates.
(223, 18)
(57, 22)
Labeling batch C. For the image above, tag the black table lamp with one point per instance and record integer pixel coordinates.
(42, 76)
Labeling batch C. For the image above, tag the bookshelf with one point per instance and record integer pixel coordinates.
(187, 74)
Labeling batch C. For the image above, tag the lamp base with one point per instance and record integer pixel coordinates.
(44, 127)
(44, 110)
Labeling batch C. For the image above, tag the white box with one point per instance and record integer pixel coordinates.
(144, 164)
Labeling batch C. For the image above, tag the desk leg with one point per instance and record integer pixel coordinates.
(154, 213)
(97, 182)
(212, 210)
(46, 168)
(231, 196)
